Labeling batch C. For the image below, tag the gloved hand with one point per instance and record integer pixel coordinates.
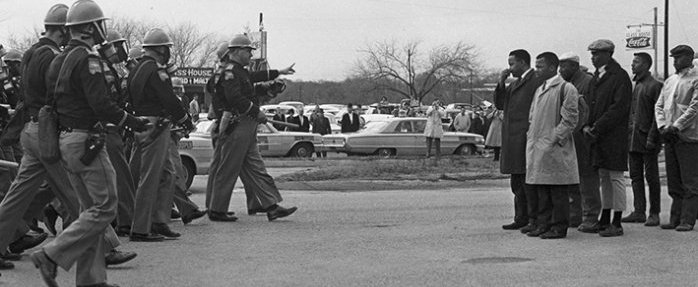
(188, 125)
(137, 124)
(670, 134)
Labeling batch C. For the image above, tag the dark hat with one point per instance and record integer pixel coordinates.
(681, 50)
(602, 45)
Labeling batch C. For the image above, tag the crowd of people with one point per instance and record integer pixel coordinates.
(91, 136)
(568, 136)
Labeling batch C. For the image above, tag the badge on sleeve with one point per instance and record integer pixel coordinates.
(163, 75)
(94, 65)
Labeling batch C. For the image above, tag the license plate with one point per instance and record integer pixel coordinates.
(185, 145)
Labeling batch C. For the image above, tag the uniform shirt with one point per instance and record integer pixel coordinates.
(678, 103)
(76, 80)
(235, 85)
(114, 84)
(151, 94)
(35, 63)
(218, 103)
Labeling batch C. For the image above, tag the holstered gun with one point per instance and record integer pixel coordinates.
(159, 128)
(94, 144)
(228, 123)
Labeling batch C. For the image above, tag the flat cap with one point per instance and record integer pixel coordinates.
(681, 50)
(569, 56)
(602, 45)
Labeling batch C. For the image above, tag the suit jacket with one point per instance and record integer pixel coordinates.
(643, 127)
(321, 125)
(350, 127)
(304, 127)
(515, 100)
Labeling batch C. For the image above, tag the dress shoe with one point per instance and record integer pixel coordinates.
(99, 285)
(684, 227)
(26, 242)
(46, 267)
(587, 227)
(221, 216)
(196, 214)
(115, 257)
(611, 231)
(669, 226)
(164, 230)
(537, 232)
(634, 217)
(140, 237)
(123, 230)
(553, 234)
(50, 217)
(652, 220)
(280, 212)
(514, 225)
(528, 228)
(174, 214)
(254, 211)
(7, 255)
(574, 224)
(5, 265)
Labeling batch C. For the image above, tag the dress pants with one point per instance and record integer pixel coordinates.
(95, 185)
(239, 156)
(214, 164)
(612, 189)
(525, 199)
(644, 166)
(154, 194)
(585, 198)
(553, 207)
(181, 200)
(682, 181)
(125, 185)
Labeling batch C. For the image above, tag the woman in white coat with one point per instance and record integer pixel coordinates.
(434, 131)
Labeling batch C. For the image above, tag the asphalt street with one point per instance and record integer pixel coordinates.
(450, 237)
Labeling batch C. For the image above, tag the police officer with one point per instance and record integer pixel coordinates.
(237, 142)
(12, 83)
(77, 87)
(216, 108)
(115, 53)
(150, 90)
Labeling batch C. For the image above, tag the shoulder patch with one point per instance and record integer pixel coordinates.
(94, 65)
(229, 75)
(163, 75)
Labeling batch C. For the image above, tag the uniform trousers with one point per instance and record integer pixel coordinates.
(215, 159)
(644, 166)
(125, 185)
(239, 156)
(7, 174)
(154, 194)
(553, 206)
(185, 206)
(612, 189)
(682, 181)
(82, 243)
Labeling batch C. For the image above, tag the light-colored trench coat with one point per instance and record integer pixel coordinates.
(434, 129)
(550, 154)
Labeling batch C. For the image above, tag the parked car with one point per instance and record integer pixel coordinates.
(400, 136)
(270, 110)
(300, 106)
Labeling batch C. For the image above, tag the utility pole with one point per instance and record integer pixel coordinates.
(654, 41)
(666, 39)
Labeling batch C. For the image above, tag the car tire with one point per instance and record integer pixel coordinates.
(189, 169)
(385, 152)
(304, 150)
(465, 149)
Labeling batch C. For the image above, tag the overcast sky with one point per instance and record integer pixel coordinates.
(323, 37)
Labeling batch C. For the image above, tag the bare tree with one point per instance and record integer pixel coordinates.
(188, 40)
(206, 54)
(22, 42)
(405, 70)
(131, 29)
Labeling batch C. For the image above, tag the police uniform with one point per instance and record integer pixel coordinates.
(237, 145)
(150, 90)
(77, 83)
(216, 108)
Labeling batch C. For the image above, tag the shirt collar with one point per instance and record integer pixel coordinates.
(526, 73)
(684, 71)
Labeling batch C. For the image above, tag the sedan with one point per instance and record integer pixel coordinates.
(400, 136)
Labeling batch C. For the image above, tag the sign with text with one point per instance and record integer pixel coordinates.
(639, 37)
(193, 76)
(259, 41)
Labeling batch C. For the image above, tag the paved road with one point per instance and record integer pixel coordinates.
(396, 238)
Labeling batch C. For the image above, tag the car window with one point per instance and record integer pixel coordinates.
(263, 129)
(404, 127)
(419, 126)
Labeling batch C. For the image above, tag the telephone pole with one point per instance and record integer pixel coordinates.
(666, 39)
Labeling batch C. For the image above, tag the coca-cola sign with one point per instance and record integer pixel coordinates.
(638, 37)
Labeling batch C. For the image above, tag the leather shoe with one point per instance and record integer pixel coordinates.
(5, 265)
(528, 228)
(26, 242)
(684, 227)
(196, 214)
(553, 234)
(140, 237)
(254, 211)
(634, 217)
(669, 226)
(537, 232)
(514, 225)
(164, 230)
(50, 217)
(221, 216)
(652, 220)
(115, 257)
(587, 227)
(280, 212)
(7, 255)
(123, 230)
(611, 231)
(46, 267)
(174, 214)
